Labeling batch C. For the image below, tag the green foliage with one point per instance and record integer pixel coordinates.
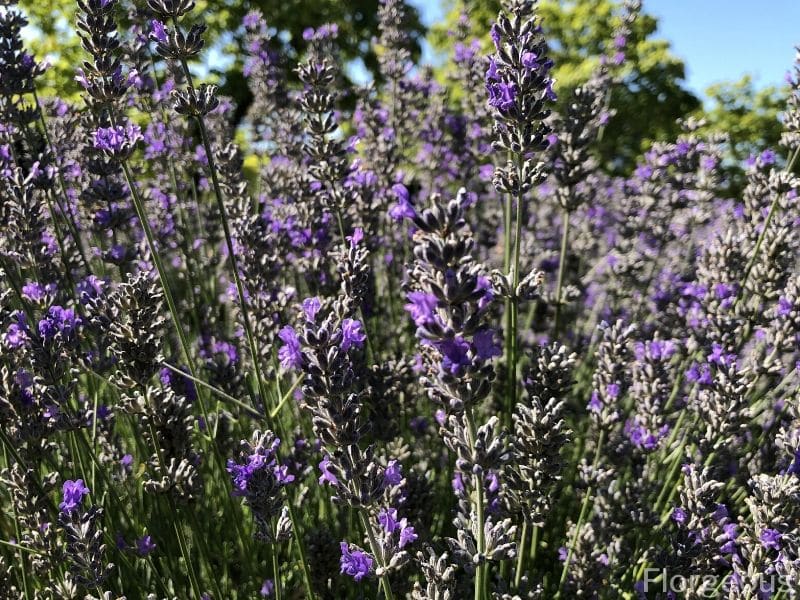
(748, 116)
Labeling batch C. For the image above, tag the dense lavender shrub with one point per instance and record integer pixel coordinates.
(384, 341)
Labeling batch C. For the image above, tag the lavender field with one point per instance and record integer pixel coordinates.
(423, 336)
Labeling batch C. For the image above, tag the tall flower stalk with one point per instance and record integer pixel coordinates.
(519, 86)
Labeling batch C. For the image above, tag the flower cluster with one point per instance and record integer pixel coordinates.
(467, 351)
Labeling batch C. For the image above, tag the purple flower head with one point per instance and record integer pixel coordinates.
(59, 320)
(252, 20)
(421, 307)
(267, 588)
(530, 60)
(118, 139)
(158, 32)
(595, 405)
(290, 354)
(785, 306)
(356, 238)
(17, 333)
(73, 492)
(496, 35)
(260, 463)
(355, 563)
(485, 345)
(393, 474)
(403, 209)
(387, 518)
(352, 334)
(327, 476)
(407, 534)
(311, 307)
(145, 545)
(502, 95)
(768, 157)
(90, 287)
(771, 538)
(36, 292)
(679, 515)
(455, 354)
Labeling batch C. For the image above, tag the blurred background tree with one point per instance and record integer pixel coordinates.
(652, 97)
(53, 35)
(748, 115)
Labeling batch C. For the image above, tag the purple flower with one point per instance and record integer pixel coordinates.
(785, 306)
(421, 306)
(73, 491)
(290, 354)
(355, 563)
(356, 238)
(327, 476)
(679, 515)
(251, 21)
(157, 31)
(352, 334)
(393, 474)
(496, 35)
(403, 209)
(407, 534)
(311, 307)
(387, 518)
(502, 95)
(267, 588)
(595, 404)
(145, 545)
(261, 462)
(455, 354)
(770, 538)
(17, 333)
(58, 320)
(530, 60)
(485, 345)
(36, 292)
(114, 140)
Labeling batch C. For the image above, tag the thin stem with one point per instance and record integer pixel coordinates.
(232, 258)
(176, 522)
(373, 543)
(162, 276)
(276, 574)
(581, 519)
(562, 259)
(521, 554)
(481, 571)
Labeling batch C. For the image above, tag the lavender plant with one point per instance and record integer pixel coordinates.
(402, 340)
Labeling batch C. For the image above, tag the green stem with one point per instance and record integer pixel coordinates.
(373, 543)
(562, 259)
(581, 519)
(521, 554)
(276, 574)
(162, 276)
(481, 570)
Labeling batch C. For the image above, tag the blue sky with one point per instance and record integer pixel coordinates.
(719, 40)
